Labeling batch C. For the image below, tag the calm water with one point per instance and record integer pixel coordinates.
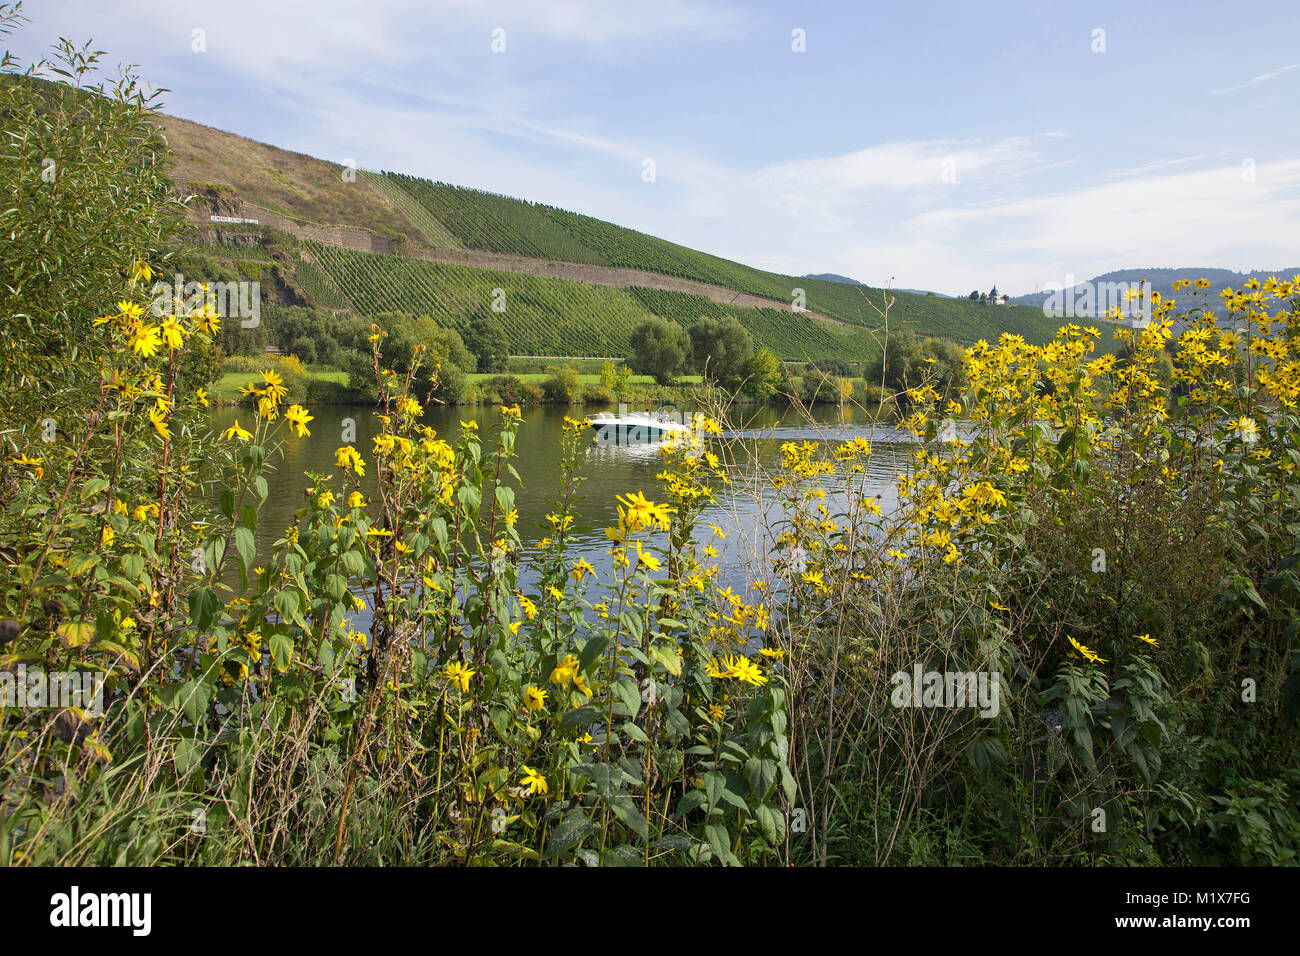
(609, 471)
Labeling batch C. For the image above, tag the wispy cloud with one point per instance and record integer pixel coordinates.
(1262, 78)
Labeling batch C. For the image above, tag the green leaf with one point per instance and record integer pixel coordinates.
(246, 546)
(760, 774)
(771, 823)
(195, 696)
(79, 564)
(281, 648)
(669, 658)
(634, 731)
(573, 829)
(203, 608)
(720, 841)
(93, 488)
(627, 812)
(581, 716)
(630, 695)
(75, 633)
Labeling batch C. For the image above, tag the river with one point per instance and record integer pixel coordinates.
(609, 471)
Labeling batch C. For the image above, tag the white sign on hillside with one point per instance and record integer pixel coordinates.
(231, 219)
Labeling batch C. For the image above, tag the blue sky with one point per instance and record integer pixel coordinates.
(935, 145)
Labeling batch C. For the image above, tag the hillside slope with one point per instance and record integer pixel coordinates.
(422, 222)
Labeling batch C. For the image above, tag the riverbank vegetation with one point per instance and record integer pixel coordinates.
(1111, 556)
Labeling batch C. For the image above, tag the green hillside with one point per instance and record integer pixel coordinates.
(546, 315)
(549, 316)
(493, 223)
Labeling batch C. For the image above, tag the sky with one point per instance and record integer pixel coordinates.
(941, 146)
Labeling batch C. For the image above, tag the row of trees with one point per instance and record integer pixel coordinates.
(719, 349)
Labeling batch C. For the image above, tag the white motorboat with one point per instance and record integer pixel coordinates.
(639, 428)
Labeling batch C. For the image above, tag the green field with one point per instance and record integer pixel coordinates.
(226, 388)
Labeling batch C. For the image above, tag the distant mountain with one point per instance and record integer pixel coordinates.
(832, 277)
(1092, 298)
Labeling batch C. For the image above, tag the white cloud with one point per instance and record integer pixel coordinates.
(1263, 77)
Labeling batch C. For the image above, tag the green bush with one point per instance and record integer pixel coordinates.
(598, 395)
(563, 386)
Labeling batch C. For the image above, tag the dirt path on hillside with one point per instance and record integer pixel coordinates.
(606, 275)
(354, 237)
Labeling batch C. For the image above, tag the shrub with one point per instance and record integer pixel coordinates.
(598, 395)
(508, 390)
(562, 386)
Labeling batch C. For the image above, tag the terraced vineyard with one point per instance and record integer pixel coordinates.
(791, 336)
(319, 287)
(434, 231)
(493, 223)
(542, 316)
(548, 316)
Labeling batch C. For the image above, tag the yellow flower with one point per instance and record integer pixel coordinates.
(105, 536)
(173, 334)
(580, 684)
(1148, 639)
(1248, 430)
(274, 386)
(534, 699)
(565, 670)
(144, 340)
(582, 569)
(459, 675)
(815, 579)
(297, 417)
(649, 560)
(235, 431)
(202, 396)
(528, 606)
(325, 499)
(716, 713)
(348, 459)
(208, 320)
(356, 500)
(533, 780)
(743, 669)
(1087, 653)
(158, 418)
